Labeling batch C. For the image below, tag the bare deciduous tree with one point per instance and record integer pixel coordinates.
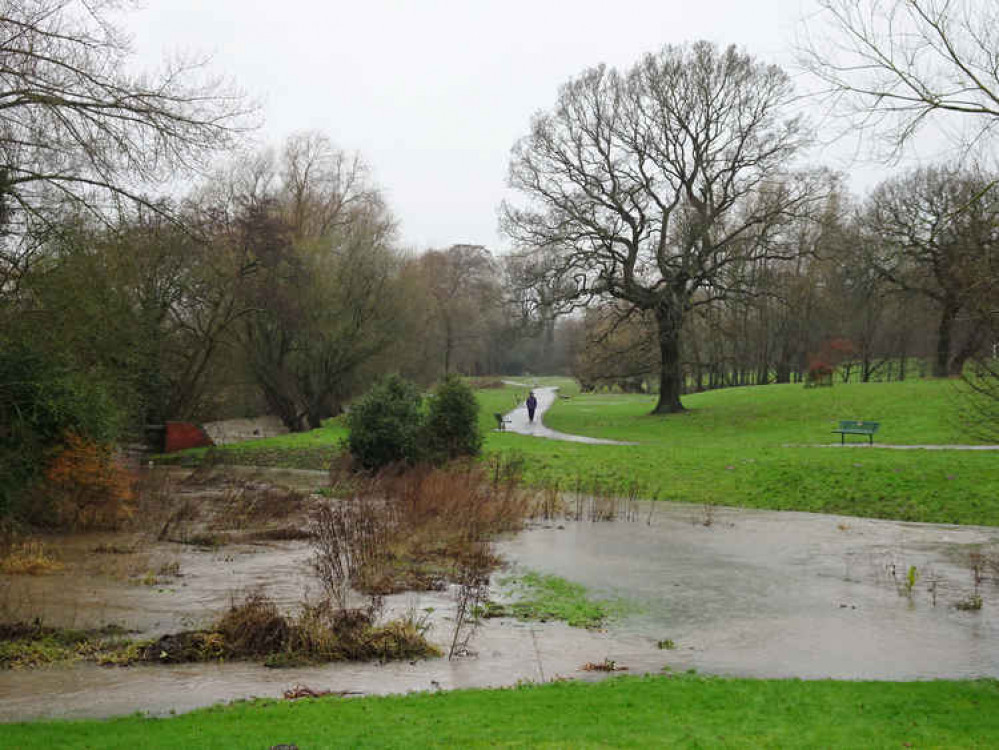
(77, 127)
(653, 187)
(895, 64)
(463, 291)
(936, 231)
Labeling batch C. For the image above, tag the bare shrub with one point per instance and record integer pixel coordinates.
(472, 594)
(348, 536)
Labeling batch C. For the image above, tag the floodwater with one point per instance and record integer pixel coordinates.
(746, 593)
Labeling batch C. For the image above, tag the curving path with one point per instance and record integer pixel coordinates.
(518, 422)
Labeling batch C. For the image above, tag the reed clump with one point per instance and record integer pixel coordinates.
(416, 530)
(31, 558)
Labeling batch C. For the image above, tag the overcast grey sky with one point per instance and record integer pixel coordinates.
(433, 94)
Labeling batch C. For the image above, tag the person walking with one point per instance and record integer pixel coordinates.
(532, 405)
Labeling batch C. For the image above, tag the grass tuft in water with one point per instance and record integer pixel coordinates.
(546, 598)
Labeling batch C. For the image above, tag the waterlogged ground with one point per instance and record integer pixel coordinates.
(776, 594)
(747, 593)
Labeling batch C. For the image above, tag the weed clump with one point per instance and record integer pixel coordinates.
(28, 558)
(254, 628)
(319, 633)
(27, 645)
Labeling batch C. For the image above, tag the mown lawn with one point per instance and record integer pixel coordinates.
(681, 711)
(761, 447)
(752, 447)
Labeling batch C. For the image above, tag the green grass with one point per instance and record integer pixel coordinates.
(297, 450)
(749, 447)
(754, 447)
(663, 711)
(543, 598)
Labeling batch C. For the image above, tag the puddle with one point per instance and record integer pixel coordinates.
(755, 593)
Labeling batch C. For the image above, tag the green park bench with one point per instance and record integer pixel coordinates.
(853, 427)
(501, 423)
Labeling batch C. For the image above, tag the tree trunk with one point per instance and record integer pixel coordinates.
(668, 320)
(944, 330)
(971, 345)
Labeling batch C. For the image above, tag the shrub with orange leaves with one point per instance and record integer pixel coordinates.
(87, 488)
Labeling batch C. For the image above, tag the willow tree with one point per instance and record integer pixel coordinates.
(657, 185)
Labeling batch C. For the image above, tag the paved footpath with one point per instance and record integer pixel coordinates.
(518, 422)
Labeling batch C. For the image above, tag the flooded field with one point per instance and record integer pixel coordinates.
(747, 593)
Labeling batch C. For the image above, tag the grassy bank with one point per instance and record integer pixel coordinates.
(752, 447)
(761, 447)
(622, 712)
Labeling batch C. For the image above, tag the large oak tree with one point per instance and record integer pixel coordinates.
(656, 186)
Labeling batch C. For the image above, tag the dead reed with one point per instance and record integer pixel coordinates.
(414, 530)
(31, 558)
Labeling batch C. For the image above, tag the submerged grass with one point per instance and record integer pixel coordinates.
(681, 711)
(28, 558)
(544, 598)
(28, 645)
(760, 447)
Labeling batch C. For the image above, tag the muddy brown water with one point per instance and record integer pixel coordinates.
(739, 592)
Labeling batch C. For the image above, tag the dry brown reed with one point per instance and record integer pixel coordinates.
(413, 530)
(214, 508)
(31, 558)
(595, 502)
